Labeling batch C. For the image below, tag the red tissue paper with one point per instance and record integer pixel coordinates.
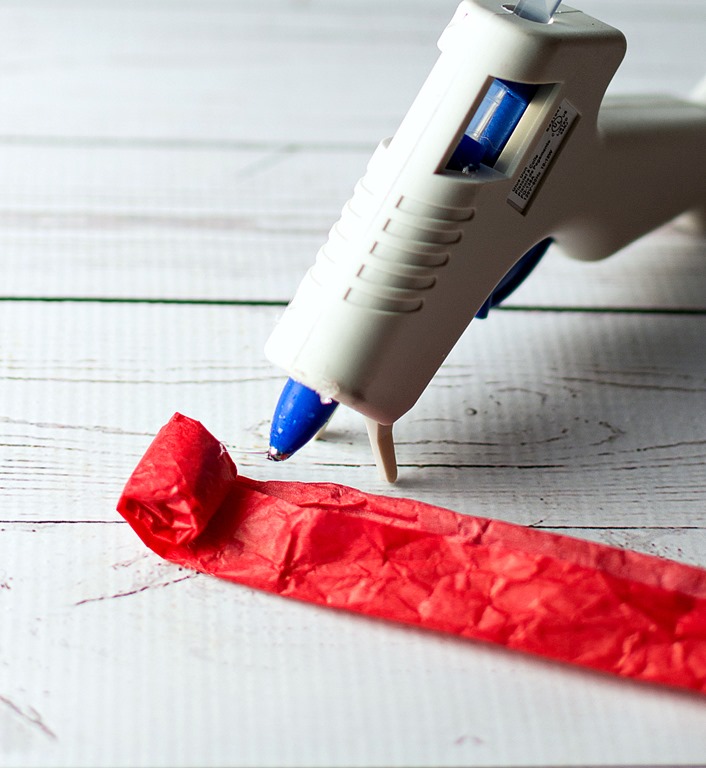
(575, 601)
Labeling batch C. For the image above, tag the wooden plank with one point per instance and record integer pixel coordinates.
(215, 70)
(115, 657)
(552, 419)
(238, 223)
(316, 71)
(166, 222)
(130, 171)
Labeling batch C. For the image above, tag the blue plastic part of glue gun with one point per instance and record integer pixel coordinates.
(299, 415)
(492, 125)
(515, 277)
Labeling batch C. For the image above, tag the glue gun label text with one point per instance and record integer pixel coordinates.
(542, 156)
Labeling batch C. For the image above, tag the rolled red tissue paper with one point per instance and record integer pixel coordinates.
(567, 599)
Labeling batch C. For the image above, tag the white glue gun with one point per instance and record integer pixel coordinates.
(508, 146)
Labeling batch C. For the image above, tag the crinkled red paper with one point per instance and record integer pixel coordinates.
(570, 600)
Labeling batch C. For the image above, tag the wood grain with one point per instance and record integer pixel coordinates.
(554, 419)
(168, 169)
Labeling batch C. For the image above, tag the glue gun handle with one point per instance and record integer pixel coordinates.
(652, 170)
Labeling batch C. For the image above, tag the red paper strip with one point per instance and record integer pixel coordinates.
(567, 599)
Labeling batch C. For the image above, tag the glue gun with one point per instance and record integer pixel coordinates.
(509, 146)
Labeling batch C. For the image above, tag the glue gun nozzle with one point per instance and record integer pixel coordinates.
(274, 455)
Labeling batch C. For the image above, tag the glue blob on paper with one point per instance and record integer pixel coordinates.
(566, 599)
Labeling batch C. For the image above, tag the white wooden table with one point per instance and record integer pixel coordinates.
(168, 169)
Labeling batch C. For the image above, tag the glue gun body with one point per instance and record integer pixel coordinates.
(422, 243)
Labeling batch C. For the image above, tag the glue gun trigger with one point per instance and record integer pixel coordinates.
(515, 277)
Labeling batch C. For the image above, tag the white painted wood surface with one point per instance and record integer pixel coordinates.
(196, 152)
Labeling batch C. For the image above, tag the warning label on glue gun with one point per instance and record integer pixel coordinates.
(541, 158)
